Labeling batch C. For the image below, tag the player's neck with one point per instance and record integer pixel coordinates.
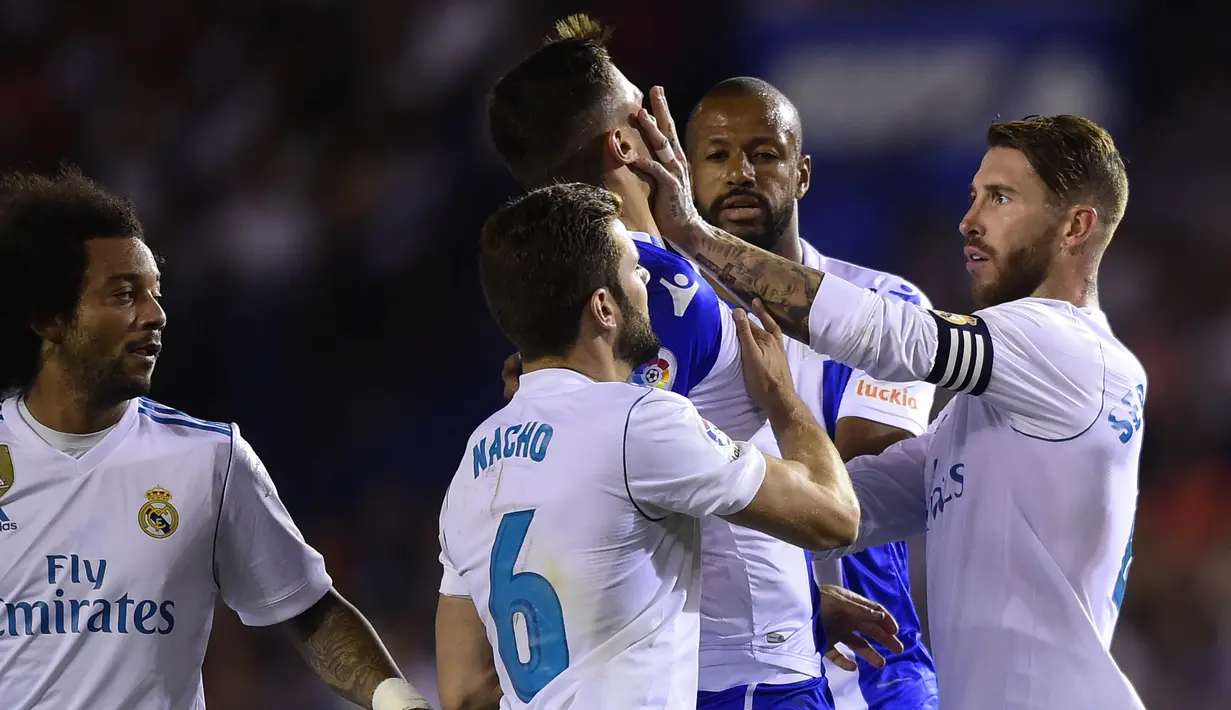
(635, 210)
(582, 361)
(790, 246)
(1077, 285)
(59, 406)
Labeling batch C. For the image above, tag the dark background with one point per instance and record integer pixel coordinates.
(317, 172)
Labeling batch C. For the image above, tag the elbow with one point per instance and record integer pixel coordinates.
(840, 528)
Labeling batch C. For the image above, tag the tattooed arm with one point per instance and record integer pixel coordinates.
(787, 288)
(342, 648)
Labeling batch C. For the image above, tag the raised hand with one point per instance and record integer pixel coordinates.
(672, 200)
(767, 372)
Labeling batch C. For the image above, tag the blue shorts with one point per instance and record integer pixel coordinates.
(805, 695)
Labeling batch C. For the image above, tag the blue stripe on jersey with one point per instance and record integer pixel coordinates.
(818, 629)
(882, 574)
(173, 417)
(1117, 595)
(685, 314)
(834, 376)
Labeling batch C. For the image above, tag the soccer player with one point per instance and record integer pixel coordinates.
(1027, 564)
(567, 113)
(121, 519)
(570, 535)
(745, 146)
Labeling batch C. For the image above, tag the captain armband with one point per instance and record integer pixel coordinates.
(964, 353)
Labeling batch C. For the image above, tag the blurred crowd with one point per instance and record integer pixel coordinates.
(316, 174)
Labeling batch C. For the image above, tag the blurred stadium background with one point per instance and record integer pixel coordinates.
(316, 172)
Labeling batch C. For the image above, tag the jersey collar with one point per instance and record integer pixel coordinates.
(552, 380)
(17, 424)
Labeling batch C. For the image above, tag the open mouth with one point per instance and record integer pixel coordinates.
(741, 208)
(146, 351)
(974, 258)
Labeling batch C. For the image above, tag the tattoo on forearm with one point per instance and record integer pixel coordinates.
(343, 649)
(787, 289)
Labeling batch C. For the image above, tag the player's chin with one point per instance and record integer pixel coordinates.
(134, 384)
(749, 231)
(983, 290)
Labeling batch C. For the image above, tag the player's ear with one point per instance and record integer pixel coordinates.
(805, 177)
(602, 309)
(621, 145)
(1079, 229)
(49, 329)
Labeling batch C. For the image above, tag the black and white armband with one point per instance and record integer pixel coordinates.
(964, 353)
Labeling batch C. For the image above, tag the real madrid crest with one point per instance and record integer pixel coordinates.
(6, 470)
(158, 518)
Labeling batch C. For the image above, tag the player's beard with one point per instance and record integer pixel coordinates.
(636, 341)
(98, 373)
(766, 234)
(1019, 272)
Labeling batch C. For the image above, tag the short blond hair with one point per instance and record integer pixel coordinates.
(581, 27)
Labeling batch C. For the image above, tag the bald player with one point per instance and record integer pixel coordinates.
(745, 147)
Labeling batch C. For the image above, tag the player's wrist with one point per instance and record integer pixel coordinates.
(397, 694)
(783, 407)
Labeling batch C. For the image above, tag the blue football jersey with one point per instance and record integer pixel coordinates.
(686, 314)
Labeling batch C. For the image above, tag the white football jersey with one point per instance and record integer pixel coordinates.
(573, 524)
(757, 601)
(110, 562)
(1026, 485)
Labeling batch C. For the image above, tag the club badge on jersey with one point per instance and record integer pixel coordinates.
(158, 518)
(7, 479)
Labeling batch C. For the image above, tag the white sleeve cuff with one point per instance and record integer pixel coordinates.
(291, 605)
(839, 310)
(747, 483)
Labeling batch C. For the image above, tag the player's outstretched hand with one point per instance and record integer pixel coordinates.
(674, 210)
(511, 375)
(848, 619)
(767, 373)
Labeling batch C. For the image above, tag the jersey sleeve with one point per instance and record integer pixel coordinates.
(1030, 359)
(676, 462)
(891, 488)
(721, 395)
(700, 355)
(451, 582)
(685, 314)
(906, 406)
(266, 572)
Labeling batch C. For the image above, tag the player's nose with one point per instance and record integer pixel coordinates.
(740, 172)
(970, 226)
(153, 317)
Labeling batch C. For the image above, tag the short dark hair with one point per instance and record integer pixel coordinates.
(743, 86)
(1076, 159)
(45, 223)
(545, 114)
(543, 256)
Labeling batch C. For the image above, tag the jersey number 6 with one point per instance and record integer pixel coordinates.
(531, 597)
